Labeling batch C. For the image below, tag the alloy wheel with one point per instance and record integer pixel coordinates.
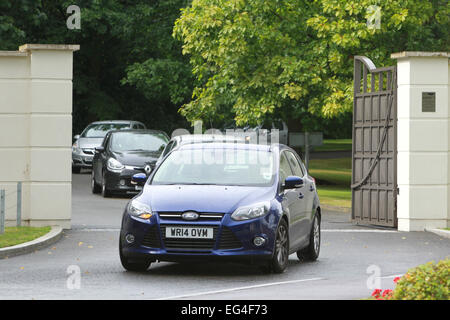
(316, 235)
(281, 245)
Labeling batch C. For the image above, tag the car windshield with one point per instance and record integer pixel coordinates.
(138, 141)
(210, 166)
(100, 130)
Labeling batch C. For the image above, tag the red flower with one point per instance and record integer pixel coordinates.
(396, 279)
(387, 292)
(376, 293)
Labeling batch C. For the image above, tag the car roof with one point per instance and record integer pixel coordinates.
(201, 138)
(115, 121)
(240, 146)
(139, 131)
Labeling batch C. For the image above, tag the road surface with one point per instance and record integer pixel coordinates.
(91, 249)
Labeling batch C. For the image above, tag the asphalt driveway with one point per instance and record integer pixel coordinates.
(91, 249)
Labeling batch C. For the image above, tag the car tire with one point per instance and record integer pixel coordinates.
(133, 266)
(104, 189)
(311, 252)
(94, 186)
(280, 258)
(76, 169)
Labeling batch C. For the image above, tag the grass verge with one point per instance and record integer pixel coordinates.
(335, 145)
(18, 235)
(333, 178)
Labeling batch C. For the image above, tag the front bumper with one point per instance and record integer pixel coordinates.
(121, 182)
(233, 241)
(82, 160)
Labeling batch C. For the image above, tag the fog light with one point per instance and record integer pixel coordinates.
(122, 182)
(129, 238)
(259, 241)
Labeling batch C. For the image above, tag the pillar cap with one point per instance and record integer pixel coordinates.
(410, 54)
(60, 47)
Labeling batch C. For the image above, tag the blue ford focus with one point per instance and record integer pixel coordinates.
(224, 201)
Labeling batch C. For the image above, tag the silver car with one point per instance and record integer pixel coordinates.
(84, 146)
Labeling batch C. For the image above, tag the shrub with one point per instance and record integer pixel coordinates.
(426, 282)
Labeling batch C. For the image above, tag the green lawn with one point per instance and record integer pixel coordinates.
(333, 178)
(335, 145)
(17, 235)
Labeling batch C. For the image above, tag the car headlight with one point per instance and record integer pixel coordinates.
(114, 165)
(251, 212)
(139, 209)
(75, 148)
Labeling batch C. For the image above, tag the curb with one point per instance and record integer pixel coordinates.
(53, 236)
(440, 232)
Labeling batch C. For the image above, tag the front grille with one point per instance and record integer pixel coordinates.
(228, 240)
(151, 238)
(203, 216)
(197, 244)
(88, 151)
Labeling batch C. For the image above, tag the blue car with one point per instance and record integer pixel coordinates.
(223, 201)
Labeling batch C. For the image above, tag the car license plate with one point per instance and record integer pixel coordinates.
(189, 232)
(138, 188)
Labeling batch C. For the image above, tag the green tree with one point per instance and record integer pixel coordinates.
(291, 56)
(129, 65)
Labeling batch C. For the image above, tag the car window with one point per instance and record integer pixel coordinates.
(295, 165)
(285, 168)
(100, 130)
(216, 166)
(138, 141)
(167, 149)
(105, 141)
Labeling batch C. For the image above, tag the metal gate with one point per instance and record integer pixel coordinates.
(374, 145)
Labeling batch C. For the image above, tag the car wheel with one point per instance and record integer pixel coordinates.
(311, 252)
(94, 186)
(279, 261)
(76, 169)
(133, 266)
(105, 192)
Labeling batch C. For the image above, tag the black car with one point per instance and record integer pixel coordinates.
(84, 146)
(122, 154)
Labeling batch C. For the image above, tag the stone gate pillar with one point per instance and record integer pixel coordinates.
(423, 140)
(36, 132)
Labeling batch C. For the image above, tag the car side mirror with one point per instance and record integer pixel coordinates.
(139, 179)
(293, 182)
(99, 149)
(76, 137)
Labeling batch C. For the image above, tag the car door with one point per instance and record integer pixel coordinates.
(308, 195)
(293, 203)
(99, 158)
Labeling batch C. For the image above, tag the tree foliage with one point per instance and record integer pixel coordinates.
(258, 57)
(129, 65)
